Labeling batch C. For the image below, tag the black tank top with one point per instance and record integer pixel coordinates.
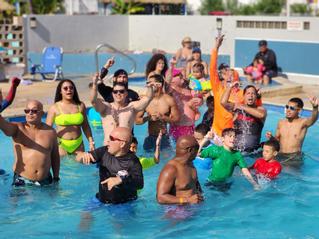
(248, 131)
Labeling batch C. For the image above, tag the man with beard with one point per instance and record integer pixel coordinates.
(291, 131)
(161, 110)
(248, 118)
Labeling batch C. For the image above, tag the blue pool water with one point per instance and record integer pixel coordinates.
(285, 208)
(140, 81)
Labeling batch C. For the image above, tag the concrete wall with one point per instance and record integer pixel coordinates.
(77, 33)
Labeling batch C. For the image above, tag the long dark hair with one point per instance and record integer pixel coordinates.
(58, 95)
(151, 64)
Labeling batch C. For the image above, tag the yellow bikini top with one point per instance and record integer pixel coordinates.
(68, 119)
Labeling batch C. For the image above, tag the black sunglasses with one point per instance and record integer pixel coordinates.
(118, 91)
(290, 107)
(27, 111)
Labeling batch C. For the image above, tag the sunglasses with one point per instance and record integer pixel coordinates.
(290, 107)
(118, 91)
(112, 138)
(65, 88)
(27, 111)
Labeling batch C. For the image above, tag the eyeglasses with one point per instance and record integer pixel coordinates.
(118, 91)
(112, 138)
(65, 88)
(27, 111)
(290, 107)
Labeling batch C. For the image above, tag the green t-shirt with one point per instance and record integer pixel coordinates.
(224, 162)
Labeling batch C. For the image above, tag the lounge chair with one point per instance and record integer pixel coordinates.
(51, 63)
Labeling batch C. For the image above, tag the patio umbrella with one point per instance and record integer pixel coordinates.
(4, 6)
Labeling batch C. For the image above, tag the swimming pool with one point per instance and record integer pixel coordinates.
(140, 82)
(285, 208)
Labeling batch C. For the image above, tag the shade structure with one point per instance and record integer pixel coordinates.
(5, 6)
(151, 1)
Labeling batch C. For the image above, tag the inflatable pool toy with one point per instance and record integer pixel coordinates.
(147, 162)
(202, 163)
(196, 84)
(94, 118)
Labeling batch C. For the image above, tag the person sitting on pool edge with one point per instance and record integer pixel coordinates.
(225, 159)
(178, 182)
(35, 148)
(119, 76)
(268, 166)
(292, 131)
(120, 170)
(148, 162)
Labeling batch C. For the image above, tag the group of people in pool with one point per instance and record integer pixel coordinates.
(231, 126)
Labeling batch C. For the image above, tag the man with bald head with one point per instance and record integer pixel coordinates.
(178, 182)
(120, 170)
(35, 148)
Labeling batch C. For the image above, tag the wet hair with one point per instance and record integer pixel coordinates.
(210, 99)
(151, 64)
(158, 78)
(298, 101)
(228, 131)
(134, 140)
(115, 83)
(58, 95)
(272, 143)
(202, 129)
(250, 86)
(199, 66)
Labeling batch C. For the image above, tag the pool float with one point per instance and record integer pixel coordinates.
(196, 84)
(147, 162)
(94, 118)
(202, 163)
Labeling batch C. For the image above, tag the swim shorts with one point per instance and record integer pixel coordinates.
(18, 181)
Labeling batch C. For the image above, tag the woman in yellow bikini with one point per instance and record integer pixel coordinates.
(69, 115)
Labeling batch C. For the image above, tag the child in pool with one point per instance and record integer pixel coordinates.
(148, 162)
(268, 166)
(197, 80)
(225, 159)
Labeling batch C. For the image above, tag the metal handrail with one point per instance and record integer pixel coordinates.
(115, 50)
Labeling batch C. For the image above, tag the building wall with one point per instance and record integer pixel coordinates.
(296, 49)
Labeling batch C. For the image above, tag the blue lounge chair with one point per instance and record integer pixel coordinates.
(51, 63)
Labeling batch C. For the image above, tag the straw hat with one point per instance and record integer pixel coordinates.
(186, 39)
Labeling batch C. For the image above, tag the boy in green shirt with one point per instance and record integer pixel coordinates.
(225, 159)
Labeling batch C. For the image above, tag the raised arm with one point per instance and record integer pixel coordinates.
(158, 147)
(97, 103)
(314, 115)
(55, 158)
(50, 116)
(224, 101)
(86, 128)
(9, 129)
(214, 80)
(143, 102)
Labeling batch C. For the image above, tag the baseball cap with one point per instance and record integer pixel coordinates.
(262, 43)
(120, 72)
(196, 50)
(176, 72)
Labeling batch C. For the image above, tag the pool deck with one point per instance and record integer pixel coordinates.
(45, 92)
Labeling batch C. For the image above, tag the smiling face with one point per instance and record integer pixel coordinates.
(33, 112)
(292, 110)
(269, 152)
(250, 96)
(196, 56)
(197, 73)
(67, 90)
(159, 65)
(119, 93)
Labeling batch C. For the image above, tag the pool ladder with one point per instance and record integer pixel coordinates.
(114, 50)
